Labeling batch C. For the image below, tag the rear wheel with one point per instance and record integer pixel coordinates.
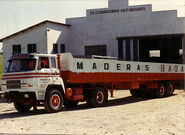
(20, 107)
(169, 89)
(160, 91)
(53, 101)
(99, 97)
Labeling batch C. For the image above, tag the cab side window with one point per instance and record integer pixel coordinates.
(53, 62)
(43, 63)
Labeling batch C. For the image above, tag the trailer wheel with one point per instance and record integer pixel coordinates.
(169, 89)
(99, 97)
(134, 93)
(53, 101)
(160, 91)
(20, 107)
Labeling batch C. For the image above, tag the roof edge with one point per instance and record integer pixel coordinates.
(46, 21)
(148, 36)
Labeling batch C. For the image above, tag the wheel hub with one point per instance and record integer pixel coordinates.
(100, 97)
(55, 101)
(161, 90)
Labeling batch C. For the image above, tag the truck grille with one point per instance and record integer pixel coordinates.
(15, 84)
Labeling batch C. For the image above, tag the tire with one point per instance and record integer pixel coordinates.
(169, 89)
(134, 93)
(20, 107)
(160, 91)
(99, 97)
(53, 101)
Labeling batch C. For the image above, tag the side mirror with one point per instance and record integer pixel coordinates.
(6, 68)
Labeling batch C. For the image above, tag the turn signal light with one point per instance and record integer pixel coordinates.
(30, 85)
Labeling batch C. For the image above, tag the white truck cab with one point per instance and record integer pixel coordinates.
(27, 78)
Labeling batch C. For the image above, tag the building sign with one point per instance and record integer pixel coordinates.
(115, 11)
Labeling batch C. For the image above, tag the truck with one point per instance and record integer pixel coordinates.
(61, 80)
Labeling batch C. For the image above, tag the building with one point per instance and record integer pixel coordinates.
(133, 33)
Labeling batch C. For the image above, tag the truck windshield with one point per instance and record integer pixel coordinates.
(18, 65)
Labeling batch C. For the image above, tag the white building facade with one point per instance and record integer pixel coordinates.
(134, 33)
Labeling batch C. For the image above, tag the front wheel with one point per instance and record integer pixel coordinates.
(53, 101)
(20, 107)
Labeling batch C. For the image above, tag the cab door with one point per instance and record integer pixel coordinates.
(44, 71)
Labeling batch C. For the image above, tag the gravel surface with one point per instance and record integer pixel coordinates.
(124, 115)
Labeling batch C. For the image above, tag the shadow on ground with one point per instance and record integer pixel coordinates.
(11, 113)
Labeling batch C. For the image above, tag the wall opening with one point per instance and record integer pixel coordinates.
(161, 49)
(100, 50)
(164, 49)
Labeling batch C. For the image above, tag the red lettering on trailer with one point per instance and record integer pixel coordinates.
(162, 68)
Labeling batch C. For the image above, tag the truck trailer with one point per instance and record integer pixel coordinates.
(55, 81)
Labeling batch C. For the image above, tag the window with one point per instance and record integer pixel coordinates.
(62, 48)
(16, 49)
(18, 65)
(53, 62)
(155, 53)
(43, 63)
(31, 48)
(55, 48)
(96, 50)
(180, 52)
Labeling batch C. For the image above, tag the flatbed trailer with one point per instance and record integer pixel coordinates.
(118, 74)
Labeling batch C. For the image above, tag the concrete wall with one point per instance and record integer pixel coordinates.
(103, 26)
(35, 35)
(183, 47)
(57, 34)
(158, 5)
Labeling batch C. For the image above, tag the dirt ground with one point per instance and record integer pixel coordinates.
(124, 115)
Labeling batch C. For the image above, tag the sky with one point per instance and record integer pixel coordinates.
(16, 15)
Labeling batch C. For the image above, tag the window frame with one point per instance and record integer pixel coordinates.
(32, 50)
(62, 48)
(100, 50)
(40, 61)
(55, 48)
(18, 49)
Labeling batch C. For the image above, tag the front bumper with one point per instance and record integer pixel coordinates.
(10, 97)
(4, 98)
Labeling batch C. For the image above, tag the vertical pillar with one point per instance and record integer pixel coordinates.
(183, 51)
(128, 49)
(131, 50)
(120, 48)
(138, 50)
(124, 50)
